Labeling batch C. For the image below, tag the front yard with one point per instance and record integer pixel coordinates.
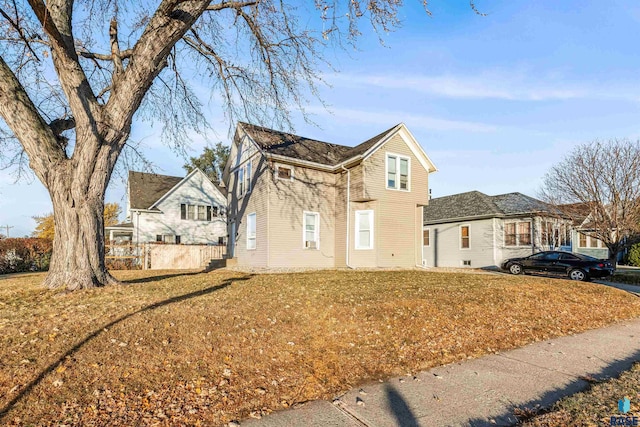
(174, 348)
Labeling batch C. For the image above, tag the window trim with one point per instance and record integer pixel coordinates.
(291, 168)
(252, 237)
(163, 238)
(240, 181)
(518, 244)
(209, 214)
(429, 230)
(356, 240)
(316, 231)
(468, 236)
(248, 176)
(388, 154)
(588, 238)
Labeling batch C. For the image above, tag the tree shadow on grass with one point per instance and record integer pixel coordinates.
(160, 277)
(54, 365)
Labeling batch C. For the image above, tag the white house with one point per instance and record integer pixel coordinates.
(476, 230)
(170, 209)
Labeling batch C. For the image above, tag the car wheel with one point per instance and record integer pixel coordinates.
(515, 269)
(578, 274)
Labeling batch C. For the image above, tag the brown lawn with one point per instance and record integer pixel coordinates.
(596, 406)
(183, 349)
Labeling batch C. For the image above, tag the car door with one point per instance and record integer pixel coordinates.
(553, 263)
(535, 263)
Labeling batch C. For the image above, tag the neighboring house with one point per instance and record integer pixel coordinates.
(298, 202)
(476, 230)
(171, 209)
(587, 244)
(582, 233)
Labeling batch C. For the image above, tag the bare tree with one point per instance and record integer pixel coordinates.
(74, 74)
(598, 185)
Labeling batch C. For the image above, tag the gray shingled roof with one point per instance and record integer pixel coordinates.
(147, 188)
(299, 147)
(475, 204)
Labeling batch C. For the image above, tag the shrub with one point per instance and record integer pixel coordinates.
(633, 258)
(27, 254)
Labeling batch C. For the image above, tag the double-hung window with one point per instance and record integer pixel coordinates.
(583, 240)
(464, 237)
(524, 233)
(202, 213)
(364, 229)
(247, 177)
(198, 212)
(251, 231)
(517, 233)
(398, 170)
(241, 181)
(244, 179)
(311, 230)
(425, 237)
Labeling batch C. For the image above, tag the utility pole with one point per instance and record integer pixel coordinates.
(7, 227)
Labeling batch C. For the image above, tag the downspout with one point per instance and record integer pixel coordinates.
(495, 242)
(269, 181)
(419, 236)
(348, 213)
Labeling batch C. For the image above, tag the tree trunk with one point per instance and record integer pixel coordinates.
(77, 193)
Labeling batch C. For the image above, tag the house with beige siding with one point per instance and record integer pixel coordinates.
(476, 230)
(299, 202)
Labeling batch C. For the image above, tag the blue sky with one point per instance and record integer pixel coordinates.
(494, 101)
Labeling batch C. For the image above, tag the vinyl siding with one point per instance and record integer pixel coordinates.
(398, 216)
(312, 191)
(358, 183)
(445, 250)
(364, 257)
(340, 209)
(254, 201)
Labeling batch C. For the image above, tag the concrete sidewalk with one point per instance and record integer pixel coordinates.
(478, 392)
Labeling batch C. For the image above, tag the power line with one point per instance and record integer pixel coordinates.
(7, 227)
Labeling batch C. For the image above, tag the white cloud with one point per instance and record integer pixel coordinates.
(413, 121)
(502, 85)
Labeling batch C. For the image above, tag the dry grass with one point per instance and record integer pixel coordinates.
(184, 349)
(596, 406)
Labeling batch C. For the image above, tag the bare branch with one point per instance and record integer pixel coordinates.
(125, 54)
(115, 48)
(20, 32)
(60, 125)
(598, 185)
(231, 5)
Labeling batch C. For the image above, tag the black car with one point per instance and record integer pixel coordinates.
(574, 266)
